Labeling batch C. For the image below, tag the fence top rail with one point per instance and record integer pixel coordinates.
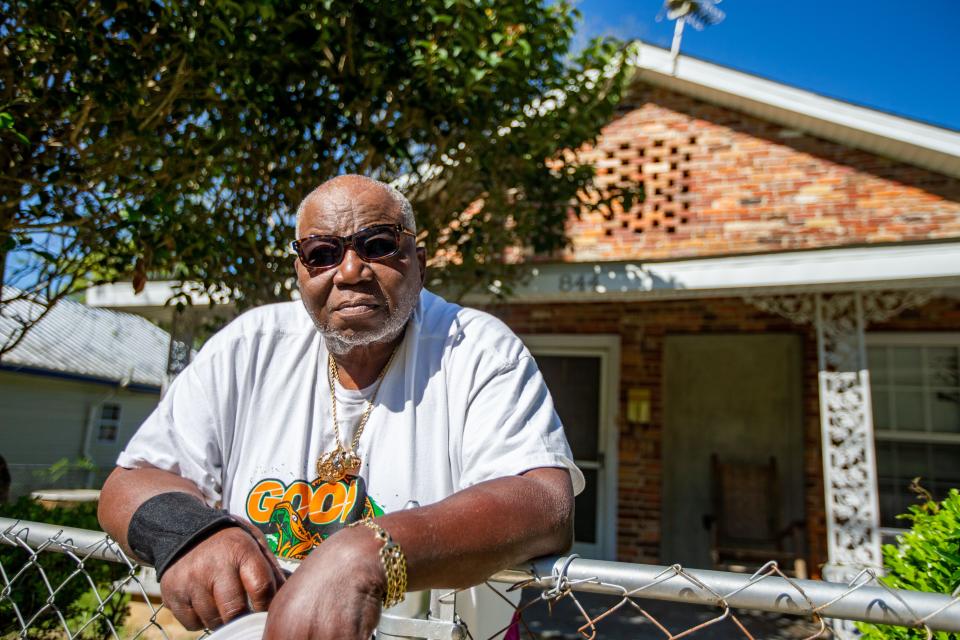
(43, 536)
(865, 598)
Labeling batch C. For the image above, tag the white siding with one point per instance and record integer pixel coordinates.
(45, 419)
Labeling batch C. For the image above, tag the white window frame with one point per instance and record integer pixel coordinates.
(913, 339)
(109, 422)
(607, 348)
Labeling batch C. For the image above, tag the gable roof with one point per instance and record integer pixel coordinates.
(896, 137)
(78, 340)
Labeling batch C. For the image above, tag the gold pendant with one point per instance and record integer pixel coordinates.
(337, 465)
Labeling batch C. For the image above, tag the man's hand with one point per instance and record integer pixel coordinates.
(228, 574)
(335, 594)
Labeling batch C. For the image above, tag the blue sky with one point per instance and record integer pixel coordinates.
(902, 57)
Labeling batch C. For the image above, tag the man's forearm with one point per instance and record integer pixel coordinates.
(126, 489)
(228, 572)
(463, 539)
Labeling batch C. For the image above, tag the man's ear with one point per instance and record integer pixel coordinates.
(422, 263)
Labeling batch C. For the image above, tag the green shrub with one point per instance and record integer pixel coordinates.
(75, 599)
(925, 558)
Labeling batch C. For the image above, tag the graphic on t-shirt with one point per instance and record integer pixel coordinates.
(298, 516)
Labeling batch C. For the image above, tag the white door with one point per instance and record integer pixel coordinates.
(582, 373)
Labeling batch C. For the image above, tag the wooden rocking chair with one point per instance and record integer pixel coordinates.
(745, 525)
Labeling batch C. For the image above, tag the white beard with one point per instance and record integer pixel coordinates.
(340, 343)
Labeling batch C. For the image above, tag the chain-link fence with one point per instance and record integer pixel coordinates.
(64, 582)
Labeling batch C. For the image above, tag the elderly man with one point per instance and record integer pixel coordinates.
(374, 402)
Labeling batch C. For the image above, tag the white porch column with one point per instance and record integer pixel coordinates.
(846, 432)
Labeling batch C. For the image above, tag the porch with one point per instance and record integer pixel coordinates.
(850, 385)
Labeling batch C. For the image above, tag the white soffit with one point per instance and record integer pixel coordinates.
(909, 141)
(888, 267)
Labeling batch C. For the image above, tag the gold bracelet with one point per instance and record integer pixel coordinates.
(393, 561)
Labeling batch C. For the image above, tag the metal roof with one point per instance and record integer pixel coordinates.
(903, 139)
(84, 341)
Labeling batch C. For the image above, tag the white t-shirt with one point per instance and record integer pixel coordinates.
(462, 402)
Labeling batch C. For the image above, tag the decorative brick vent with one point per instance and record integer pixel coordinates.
(666, 183)
(663, 165)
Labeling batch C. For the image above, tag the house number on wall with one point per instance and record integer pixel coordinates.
(581, 282)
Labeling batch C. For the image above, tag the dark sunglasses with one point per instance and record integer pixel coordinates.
(378, 242)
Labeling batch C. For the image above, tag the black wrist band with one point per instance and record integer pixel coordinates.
(169, 524)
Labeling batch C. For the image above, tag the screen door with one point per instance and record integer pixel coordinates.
(581, 379)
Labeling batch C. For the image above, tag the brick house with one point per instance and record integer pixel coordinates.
(795, 257)
(787, 240)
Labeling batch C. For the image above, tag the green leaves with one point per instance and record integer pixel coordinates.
(6, 127)
(190, 131)
(926, 558)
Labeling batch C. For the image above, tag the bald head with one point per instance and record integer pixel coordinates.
(341, 192)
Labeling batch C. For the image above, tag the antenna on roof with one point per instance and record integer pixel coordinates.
(699, 13)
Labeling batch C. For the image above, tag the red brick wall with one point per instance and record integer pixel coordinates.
(642, 327)
(721, 182)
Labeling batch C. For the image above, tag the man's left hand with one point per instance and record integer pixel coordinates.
(336, 592)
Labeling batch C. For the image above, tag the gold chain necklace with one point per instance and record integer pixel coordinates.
(335, 465)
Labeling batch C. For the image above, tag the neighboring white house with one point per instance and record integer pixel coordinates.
(76, 387)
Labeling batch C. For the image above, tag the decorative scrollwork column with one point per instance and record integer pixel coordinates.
(846, 423)
(846, 429)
